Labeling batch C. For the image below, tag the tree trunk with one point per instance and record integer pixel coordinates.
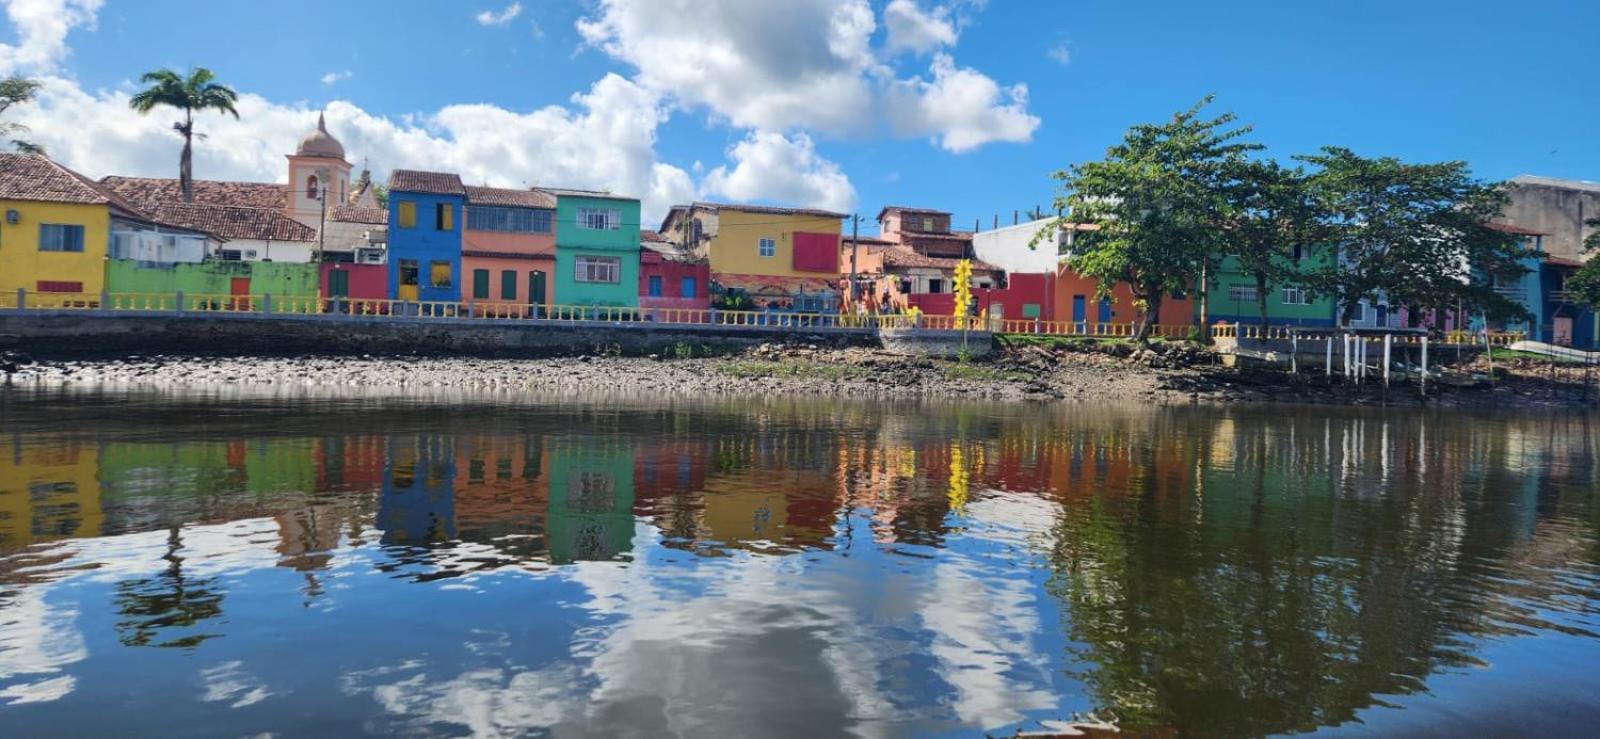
(1152, 311)
(1205, 304)
(185, 164)
(1261, 302)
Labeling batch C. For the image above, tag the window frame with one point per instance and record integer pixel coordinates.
(480, 284)
(1239, 292)
(406, 214)
(610, 219)
(1295, 295)
(62, 244)
(653, 286)
(444, 216)
(583, 273)
(433, 273)
(767, 247)
(411, 268)
(688, 286)
(508, 284)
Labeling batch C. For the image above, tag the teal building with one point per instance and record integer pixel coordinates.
(597, 249)
(1233, 298)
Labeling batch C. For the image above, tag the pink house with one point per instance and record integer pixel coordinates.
(669, 277)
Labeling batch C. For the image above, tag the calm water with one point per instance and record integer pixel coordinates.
(456, 565)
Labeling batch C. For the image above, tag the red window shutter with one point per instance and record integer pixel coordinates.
(51, 286)
(816, 252)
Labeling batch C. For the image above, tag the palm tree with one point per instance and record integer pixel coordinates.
(195, 93)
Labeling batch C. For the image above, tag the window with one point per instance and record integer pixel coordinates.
(1243, 293)
(54, 286)
(57, 237)
(1298, 253)
(768, 248)
(686, 287)
(1295, 296)
(599, 219)
(408, 271)
(928, 224)
(439, 274)
(598, 269)
(408, 214)
(444, 216)
(508, 284)
(480, 284)
(508, 220)
(655, 286)
(311, 187)
(230, 255)
(935, 286)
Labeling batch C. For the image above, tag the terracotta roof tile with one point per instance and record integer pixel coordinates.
(147, 191)
(505, 196)
(899, 256)
(34, 177)
(357, 214)
(908, 209)
(435, 183)
(233, 222)
(770, 210)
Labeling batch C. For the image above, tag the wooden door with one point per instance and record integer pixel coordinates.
(338, 284)
(1562, 333)
(536, 288)
(239, 289)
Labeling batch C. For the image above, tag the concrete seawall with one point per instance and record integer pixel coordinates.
(69, 332)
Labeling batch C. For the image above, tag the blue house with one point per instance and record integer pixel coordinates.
(1526, 289)
(425, 214)
(1567, 323)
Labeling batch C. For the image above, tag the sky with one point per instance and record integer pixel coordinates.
(961, 105)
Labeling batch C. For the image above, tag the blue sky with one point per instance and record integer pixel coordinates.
(1510, 91)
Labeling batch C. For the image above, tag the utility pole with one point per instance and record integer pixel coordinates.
(855, 249)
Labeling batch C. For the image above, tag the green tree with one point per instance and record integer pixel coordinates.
(1416, 235)
(1585, 284)
(1275, 217)
(195, 93)
(16, 90)
(1159, 203)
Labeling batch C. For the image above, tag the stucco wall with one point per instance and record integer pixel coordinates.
(1558, 212)
(736, 247)
(1007, 248)
(285, 279)
(22, 265)
(426, 243)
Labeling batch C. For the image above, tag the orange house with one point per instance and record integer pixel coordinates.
(508, 250)
(1076, 302)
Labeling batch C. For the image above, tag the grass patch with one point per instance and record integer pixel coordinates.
(790, 369)
(980, 373)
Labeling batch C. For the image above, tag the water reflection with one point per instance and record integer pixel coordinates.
(788, 568)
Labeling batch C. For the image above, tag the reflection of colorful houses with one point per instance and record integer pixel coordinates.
(49, 492)
(762, 257)
(500, 486)
(418, 501)
(508, 249)
(591, 499)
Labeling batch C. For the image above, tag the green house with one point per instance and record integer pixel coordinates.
(597, 249)
(1233, 298)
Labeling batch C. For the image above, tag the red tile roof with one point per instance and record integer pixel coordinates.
(906, 209)
(356, 214)
(146, 191)
(435, 183)
(899, 256)
(511, 197)
(770, 210)
(233, 222)
(1511, 229)
(35, 177)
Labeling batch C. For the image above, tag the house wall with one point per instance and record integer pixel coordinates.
(1070, 285)
(367, 281)
(22, 265)
(271, 251)
(1320, 312)
(524, 268)
(425, 243)
(1558, 212)
(736, 247)
(672, 274)
(284, 279)
(1007, 248)
(573, 242)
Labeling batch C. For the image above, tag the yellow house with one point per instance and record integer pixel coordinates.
(786, 258)
(49, 492)
(55, 228)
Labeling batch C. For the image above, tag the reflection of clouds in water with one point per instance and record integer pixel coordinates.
(35, 640)
(730, 646)
(230, 683)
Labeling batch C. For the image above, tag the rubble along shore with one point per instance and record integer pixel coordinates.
(1163, 374)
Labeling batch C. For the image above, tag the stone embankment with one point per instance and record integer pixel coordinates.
(1074, 370)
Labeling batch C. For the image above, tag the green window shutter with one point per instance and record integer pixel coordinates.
(1030, 310)
(508, 285)
(480, 283)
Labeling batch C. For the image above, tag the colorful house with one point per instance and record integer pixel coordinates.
(508, 249)
(763, 257)
(424, 249)
(56, 231)
(669, 277)
(1567, 323)
(597, 248)
(1233, 298)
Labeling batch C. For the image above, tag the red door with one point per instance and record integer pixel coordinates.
(239, 288)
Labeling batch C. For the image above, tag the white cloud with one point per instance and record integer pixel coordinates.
(913, 29)
(804, 65)
(333, 77)
(42, 27)
(961, 108)
(786, 169)
(506, 15)
(1060, 53)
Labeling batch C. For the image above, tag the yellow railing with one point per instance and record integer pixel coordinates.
(57, 301)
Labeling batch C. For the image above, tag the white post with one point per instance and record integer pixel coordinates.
(1424, 366)
(1328, 363)
(1388, 349)
(1294, 354)
(266, 303)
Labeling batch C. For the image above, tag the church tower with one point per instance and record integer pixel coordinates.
(316, 167)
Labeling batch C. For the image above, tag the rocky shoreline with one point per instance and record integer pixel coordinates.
(1104, 372)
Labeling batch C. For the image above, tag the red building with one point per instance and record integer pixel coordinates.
(669, 277)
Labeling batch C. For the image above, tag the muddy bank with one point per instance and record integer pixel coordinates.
(1090, 372)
